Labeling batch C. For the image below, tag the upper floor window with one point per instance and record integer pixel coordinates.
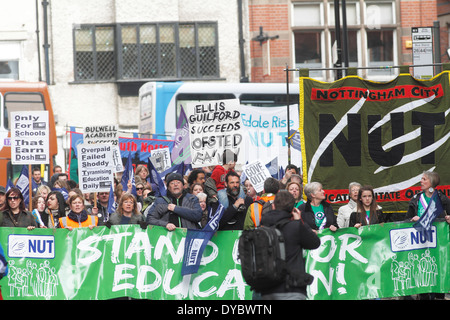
(9, 60)
(147, 51)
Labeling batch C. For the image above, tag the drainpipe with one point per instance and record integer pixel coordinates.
(45, 4)
(244, 78)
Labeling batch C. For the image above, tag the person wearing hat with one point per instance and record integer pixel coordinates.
(2, 198)
(178, 209)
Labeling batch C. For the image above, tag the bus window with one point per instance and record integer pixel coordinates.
(268, 100)
(21, 101)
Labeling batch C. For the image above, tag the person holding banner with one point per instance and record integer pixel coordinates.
(317, 212)
(420, 201)
(367, 211)
(345, 211)
(127, 211)
(15, 214)
(418, 206)
(56, 208)
(78, 216)
(219, 173)
(2, 198)
(179, 209)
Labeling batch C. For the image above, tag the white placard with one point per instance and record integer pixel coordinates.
(256, 173)
(29, 137)
(161, 159)
(107, 134)
(213, 127)
(101, 134)
(95, 167)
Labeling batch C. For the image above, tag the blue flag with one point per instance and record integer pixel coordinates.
(63, 191)
(128, 174)
(111, 203)
(196, 241)
(431, 212)
(23, 184)
(155, 178)
(9, 185)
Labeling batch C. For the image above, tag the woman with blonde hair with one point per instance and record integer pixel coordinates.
(127, 211)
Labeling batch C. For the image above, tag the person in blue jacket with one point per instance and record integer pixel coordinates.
(179, 209)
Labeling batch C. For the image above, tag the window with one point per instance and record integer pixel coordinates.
(147, 51)
(9, 60)
(21, 101)
(94, 53)
(371, 37)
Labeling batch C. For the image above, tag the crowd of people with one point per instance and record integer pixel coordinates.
(192, 200)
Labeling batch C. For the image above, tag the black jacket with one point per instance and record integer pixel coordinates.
(297, 236)
(308, 215)
(414, 204)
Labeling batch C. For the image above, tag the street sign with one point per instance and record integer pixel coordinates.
(422, 45)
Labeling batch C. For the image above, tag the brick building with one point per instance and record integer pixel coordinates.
(379, 34)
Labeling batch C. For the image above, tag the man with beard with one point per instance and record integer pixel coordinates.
(235, 202)
(178, 209)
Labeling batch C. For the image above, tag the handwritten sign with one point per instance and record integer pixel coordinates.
(257, 173)
(213, 127)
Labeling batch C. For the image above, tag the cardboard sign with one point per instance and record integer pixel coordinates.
(95, 167)
(161, 159)
(29, 137)
(256, 173)
(213, 127)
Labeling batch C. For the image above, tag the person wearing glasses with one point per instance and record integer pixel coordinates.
(14, 214)
(127, 211)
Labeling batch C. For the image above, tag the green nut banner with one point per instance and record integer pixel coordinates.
(126, 261)
(380, 261)
(380, 134)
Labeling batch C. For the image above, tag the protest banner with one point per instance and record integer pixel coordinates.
(139, 149)
(265, 132)
(257, 173)
(125, 260)
(213, 127)
(379, 261)
(29, 137)
(382, 134)
(375, 261)
(95, 167)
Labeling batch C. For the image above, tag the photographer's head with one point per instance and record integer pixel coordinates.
(284, 201)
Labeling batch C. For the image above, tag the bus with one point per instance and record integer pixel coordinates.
(23, 96)
(160, 102)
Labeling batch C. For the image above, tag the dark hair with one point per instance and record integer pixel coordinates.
(271, 185)
(15, 191)
(61, 202)
(194, 174)
(231, 173)
(292, 166)
(361, 212)
(284, 201)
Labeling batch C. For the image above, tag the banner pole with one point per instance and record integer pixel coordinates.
(30, 191)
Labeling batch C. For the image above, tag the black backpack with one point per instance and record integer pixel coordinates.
(263, 257)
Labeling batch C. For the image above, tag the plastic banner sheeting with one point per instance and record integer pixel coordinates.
(380, 261)
(375, 261)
